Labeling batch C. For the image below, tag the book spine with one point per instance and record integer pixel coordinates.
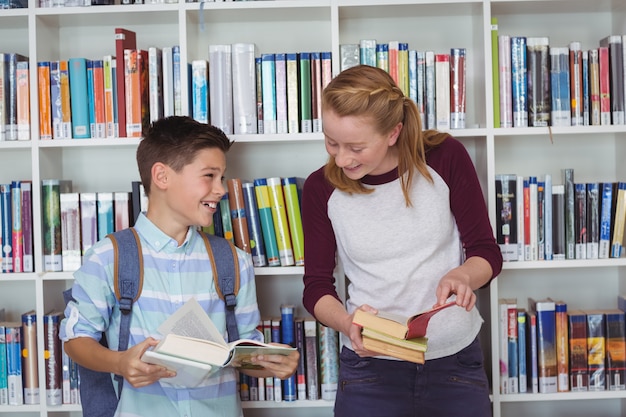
(269, 381)
(513, 342)
(70, 231)
(238, 214)
(576, 83)
(227, 223)
(268, 72)
(280, 63)
(109, 107)
(526, 216)
(199, 94)
(329, 361)
(293, 107)
(579, 376)
(421, 84)
(257, 246)
(65, 377)
(99, 101)
(90, 99)
(267, 221)
(17, 232)
(617, 240)
(382, 56)
(605, 85)
(43, 88)
(546, 347)
(29, 358)
(367, 52)
(276, 338)
(503, 326)
(506, 219)
(52, 355)
(442, 93)
(457, 88)
(586, 91)
(27, 226)
(294, 218)
(178, 80)
(594, 87)
(106, 217)
(547, 224)
(244, 88)
(56, 110)
(88, 221)
(615, 350)
(596, 350)
(559, 84)
(220, 87)
(593, 220)
(616, 75)
(122, 209)
(23, 100)
(316, 91)
(520, 210)
(300, 370)
(281, 224)
(327, 68)
(570, 204)
(132, 90)
(495, 72)
(533, 218)
(155, 82)
(124, 39)
(6, 228)
(288, 337)
(413, 75)
(519, 81)
(430, 92)
(534, 364)
(350, 55)
(506, 93)
(311, 356)
(403, 68)
(538, 57)
(558, 222)
(258, 70)
(606, 203)
(14, 364)
(51, 226)
(79, 98)
(66, 107)
(11, 96)
(306, 111)
(167, 60)
(580, 220)
(521, 351)
(541, 217)
(562, 346)
(4, 388)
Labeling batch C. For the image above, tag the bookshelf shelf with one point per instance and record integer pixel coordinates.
(596, 153)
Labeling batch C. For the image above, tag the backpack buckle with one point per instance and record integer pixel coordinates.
(126, 305)
(230, 300)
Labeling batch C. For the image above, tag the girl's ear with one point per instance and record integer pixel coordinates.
(393, 135)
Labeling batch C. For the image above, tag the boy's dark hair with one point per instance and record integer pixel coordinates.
(175, 141)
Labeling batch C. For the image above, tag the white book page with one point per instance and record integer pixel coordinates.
(192, 321)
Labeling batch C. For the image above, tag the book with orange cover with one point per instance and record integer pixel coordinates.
(398, 326)
(43, 85)
(124, 39)
(132, 75)
(98, 99)
(23, 100)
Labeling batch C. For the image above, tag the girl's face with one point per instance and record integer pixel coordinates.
(358, 149)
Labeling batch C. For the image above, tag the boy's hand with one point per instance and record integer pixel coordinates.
(280, 366)
(138, 372)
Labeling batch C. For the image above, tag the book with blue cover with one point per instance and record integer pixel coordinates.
(521, 350)
(267, 221)
(545, 311)
(15, 386)
(257, 245)
(606, 221)
(79, 98)
(519, 81)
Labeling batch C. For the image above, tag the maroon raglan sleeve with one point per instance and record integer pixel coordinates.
(319, 241)
(467, 203)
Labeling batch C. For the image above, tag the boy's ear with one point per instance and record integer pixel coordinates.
(159, 175)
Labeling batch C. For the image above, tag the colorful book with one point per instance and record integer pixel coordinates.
(594, 88)
(578, 372)
(22, 75)
(124, 39)
(616, 74)
(121, 210)
(546, 344)
(56, 101)
(293, 88)
(226, 219)
(367, 52)
(311, 355)
(178, 81)
(519, 81)
(576, 83)
(615, 350)
(596, 350)
(43, 88)
(288, 337)
(442, 91)
(328, 339)
(382, 56)
(167, 70)
(136, 91)
(403, 68)
(570, 215)
(267, 222)
(605, 85)
(257, 245)
(258, 71)
(533, 380)
(52, 356)
(280, 65)
(66, 107)
(316, 91)
(79, 102)
(300, 370)
(51, 225)
(350, 55)
(6, 227)
(220, 86)
(593, 219)
(200, 94)
(606, 220)
(522, 338)
(617, 239)
(559, 85)
(281, 224)
(562, 346)
(15, 386)
(27, 226)
(4, 388)
(292, 205)
(106, 215)
(580, 220)
(238, 214)
(538, 56)
(304, 83)
(110, 105)
(430, 108)
(548, 214)
(17, 233)
(512, 347)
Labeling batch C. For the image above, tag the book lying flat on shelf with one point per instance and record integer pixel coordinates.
(195, 349)
(397, 326)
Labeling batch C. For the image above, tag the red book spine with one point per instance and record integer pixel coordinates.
(124, 39)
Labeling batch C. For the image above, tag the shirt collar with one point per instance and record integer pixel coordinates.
(160, 241)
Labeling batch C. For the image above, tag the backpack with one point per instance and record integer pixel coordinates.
(98, 396)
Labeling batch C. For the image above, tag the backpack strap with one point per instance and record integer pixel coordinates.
(127, 281)
(225, 277)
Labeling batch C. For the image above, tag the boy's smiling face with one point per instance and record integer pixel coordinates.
(194, 193)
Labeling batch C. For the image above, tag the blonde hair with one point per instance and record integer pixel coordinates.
(370, 92)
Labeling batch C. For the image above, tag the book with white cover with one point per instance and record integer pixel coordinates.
(280, 64)
(221, 87)
(268, 84)
(168, 81)
(244, 88)
(155, 82)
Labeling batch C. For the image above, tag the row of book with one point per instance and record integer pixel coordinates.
(13, 4)
(263, 217)
(550, 348)
(544, 85)
(316, 376)
(434, 81)
(14, 99)
(539, 220)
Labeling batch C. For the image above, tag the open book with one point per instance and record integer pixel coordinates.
(398, 326)
(195, 349)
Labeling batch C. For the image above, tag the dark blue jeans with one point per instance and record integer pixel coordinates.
(454, 386)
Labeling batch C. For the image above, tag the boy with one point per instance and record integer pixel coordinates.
(181, 164)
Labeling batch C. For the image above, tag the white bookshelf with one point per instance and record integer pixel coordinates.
(595, 153)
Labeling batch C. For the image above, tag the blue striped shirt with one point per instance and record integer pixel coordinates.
(172, 275)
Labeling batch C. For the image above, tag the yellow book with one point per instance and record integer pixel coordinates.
(410, 355)
(281, 225)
